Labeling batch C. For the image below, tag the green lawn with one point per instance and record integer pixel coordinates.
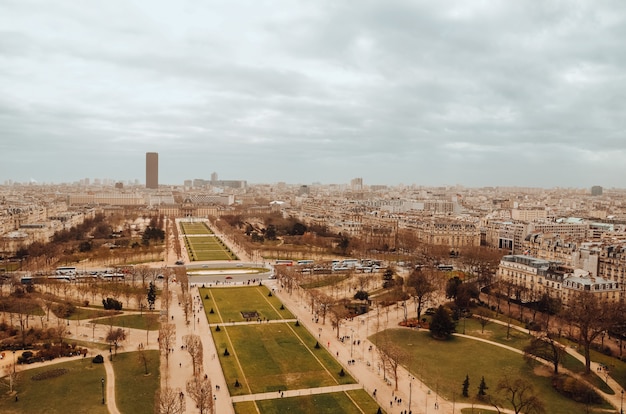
(228, 303)
(146, 321)
(330, 403)
(274, 356)
(202, 248)
(90, 313)
(134, 390)
(443, 366)
(79, 390)
(195, 228)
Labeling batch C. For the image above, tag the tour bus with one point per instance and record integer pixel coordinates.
(305, 262)
(445, 267)
(284, 262)
(66, 270)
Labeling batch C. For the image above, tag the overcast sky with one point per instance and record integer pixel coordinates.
(524, 93)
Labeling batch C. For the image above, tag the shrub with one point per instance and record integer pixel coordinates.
(110, 303)
(226, 353)
(217, 328)
(575, 389)
(317, 345)
(51, 373)
(98, 359)
(342, 373)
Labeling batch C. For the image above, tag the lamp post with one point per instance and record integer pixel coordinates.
(410, 390)
(621, 404)
(102, 382)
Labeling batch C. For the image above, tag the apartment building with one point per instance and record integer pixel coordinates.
(535, 277)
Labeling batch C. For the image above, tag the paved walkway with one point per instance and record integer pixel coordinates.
(296, 393)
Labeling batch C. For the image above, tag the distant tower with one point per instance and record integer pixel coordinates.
(214, 177)
(356, 184)
(596, 190)
(152, 170)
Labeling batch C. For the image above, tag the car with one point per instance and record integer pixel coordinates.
(180, 262)
(229, 277)
(239, 265)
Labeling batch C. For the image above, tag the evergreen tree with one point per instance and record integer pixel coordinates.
(151, 295)
(442, 325)
(465, 391)
(482, 388)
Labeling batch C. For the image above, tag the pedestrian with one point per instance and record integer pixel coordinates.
(180, 364)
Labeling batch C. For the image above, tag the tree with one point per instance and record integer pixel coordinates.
(361, 295)
(452, 287)
(592, 318)
(421, 287)
(442, 325)
(466, 385)
(193, 344)
(110, 303)
(167, 339)
(482, 388)
(338, 312)
(200, 391)
(115, 336)
(392, 356)
(151, 295)
(547, 348)
(169, 401)
(482, 315)
(521, 395)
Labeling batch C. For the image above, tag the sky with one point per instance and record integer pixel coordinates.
(476, 93)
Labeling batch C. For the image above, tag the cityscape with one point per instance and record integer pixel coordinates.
(366, 269)
(268, 207)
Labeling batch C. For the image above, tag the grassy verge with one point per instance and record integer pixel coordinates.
(443, 365)
(134, 389)
(79, 390)
(147, 321)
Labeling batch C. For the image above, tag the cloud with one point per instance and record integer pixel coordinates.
(397, 91)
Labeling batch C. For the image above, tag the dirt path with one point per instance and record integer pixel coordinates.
(110, 387)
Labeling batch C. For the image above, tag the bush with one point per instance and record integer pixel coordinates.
(110, 303)
(217, 328)
(98, 359)
(342, 373)
(51, 373)
(317, 345)
(575, 389)
(226, 353)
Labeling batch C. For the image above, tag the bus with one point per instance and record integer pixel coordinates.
(66, 270)
(284, 262)
(305, 262)
(445, 267)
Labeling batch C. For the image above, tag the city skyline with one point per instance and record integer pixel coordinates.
(476, 94)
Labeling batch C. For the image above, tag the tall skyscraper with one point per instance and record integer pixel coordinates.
(152, 170)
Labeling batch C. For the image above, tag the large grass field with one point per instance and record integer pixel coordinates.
(147, 321)
(349, 402)
(228, 303)
(79, 390)
(269, 357)
(134, 389)
(195, 228)
(443, 365)
(202, 248)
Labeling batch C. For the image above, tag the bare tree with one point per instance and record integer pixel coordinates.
(592, 318)
(338, 312)
(167, 339)
(521, 395)
(548, 348)
(200, 391)
(169, 401)
(392, 357)
(115, 336)
(421, 288)
(193, 344)
(11, 376)
(482, 315)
